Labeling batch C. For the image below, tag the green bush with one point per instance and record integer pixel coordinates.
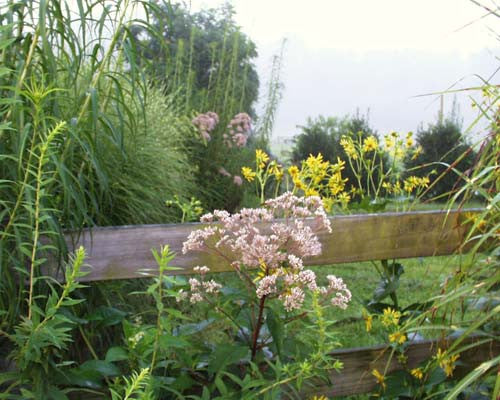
(444, 149)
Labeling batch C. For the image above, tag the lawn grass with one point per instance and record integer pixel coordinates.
(420, 281)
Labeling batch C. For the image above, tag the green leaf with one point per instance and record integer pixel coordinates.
(225, 355)
(107, 316)
(277, 329)
(167, 341)
(385, 288)
(105, 368)
(189, 329)
(116, 354)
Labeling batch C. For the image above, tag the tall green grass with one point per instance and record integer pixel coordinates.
(121, 153)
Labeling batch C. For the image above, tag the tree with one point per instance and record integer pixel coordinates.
(203, 55)
(442, 145)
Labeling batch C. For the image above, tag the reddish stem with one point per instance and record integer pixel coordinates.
(258, 326)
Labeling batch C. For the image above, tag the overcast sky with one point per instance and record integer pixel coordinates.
(343, 55)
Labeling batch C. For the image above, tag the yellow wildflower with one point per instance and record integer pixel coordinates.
(409, 142)
(327, 204)
(344, 198)
(311, 192)
(390, 317)
(322, 397)
(389, 142)
(417, 152)
(380, 378)
(368, 320)
(396, 188)
(248, 173)
(370, 144)
(397, 337)
(298, 184)
(293, 171)
(399, 153)
(349, 148)
(414, 182)
(261, 158)
(336, 183)
(445, 362)
(417, 373)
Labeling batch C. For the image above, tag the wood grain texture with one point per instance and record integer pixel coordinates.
(125, 252)
(356, 376)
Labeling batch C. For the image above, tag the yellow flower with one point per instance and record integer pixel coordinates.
(397, 337)
(370, 144)
(311, 192)
(368, 321)
(409, 142)
(336, 183)
(278, 172)
(298, 184)
(344, 198)
(389, 142)
(349, 148)
(396, 188)
(248, 173)
(293, 171)
(417, 152)
(417, 373)
(399, 153)
(322, 397)
(261, 158)
(445, 362)
(380, 378)
(390, 317)
(414, 182)
(327, 203)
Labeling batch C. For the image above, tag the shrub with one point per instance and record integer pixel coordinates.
(443, 146)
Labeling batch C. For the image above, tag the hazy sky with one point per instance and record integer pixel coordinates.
(342, 55)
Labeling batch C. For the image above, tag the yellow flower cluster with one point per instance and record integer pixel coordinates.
(318, 177)
(248, 174)
(447, 363)
(370, 144)
(398, 147)
(413, 183)
(390, 317)
(397, 337)
(264, 170)
(417, 373)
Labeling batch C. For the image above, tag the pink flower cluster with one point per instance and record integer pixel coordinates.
(274, 239)
(239, 129)
(237, 180)
(206, 123)
(200, 288)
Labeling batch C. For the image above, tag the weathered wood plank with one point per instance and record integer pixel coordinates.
(125, 252)
(356, 376)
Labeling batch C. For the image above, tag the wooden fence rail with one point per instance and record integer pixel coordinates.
(125, 252)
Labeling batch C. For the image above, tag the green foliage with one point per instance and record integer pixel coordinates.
(41, 338)
(202, 56)
(443, 145)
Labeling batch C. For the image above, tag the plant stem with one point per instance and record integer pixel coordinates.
(258, 326)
